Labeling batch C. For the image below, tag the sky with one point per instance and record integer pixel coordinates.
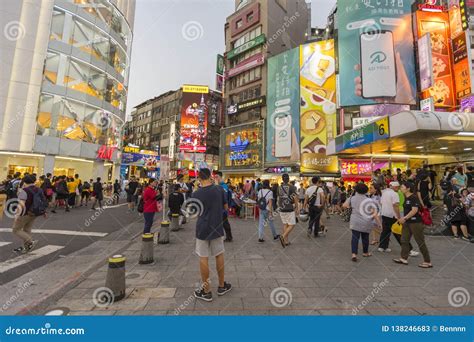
(176, 42)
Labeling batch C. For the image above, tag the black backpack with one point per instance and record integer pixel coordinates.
(313, 198)
(444, 184)
(39, 204)
(140, 206)
(262, 201)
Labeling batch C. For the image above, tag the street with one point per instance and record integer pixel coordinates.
(58, 235)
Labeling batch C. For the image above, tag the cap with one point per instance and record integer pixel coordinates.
(394, 184)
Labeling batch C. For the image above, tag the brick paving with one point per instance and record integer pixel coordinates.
(317, 274)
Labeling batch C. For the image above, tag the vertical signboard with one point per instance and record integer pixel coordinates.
(437, 24)
(193, 122)
(317, 106)
(283, 122)
(376, 52)
(425, 62)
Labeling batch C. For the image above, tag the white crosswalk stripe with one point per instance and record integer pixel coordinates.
(60, 232)
(29, 257)
(4, 243)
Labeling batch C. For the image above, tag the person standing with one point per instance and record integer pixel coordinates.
(117, 192)
(150, 204)
(301, 192)
(183, 187)
(78, 189)
(362, 219)
(225, 215)
(412, 226)
(131, 189)
(72, 188)
(314, 201)
(210, 234)
(424, 188)
(86, 192)
(265, 203)
(390, 214)
(457, 214)
(62, 194)
(287, 202)
(98, 192)
(175, 201)
(32, 204)
(459, 179)
(47, 187)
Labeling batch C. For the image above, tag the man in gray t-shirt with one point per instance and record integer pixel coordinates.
(287, 203)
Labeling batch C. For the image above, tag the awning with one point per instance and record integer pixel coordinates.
(410, 132)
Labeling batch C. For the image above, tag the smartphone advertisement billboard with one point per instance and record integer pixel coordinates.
(317, 106)
(193, 122)
(283, 120)
(376, 52)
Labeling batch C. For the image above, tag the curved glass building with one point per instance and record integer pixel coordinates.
(64, 93)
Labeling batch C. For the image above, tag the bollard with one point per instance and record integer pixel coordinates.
(146, 255)
(164, 237)
(174, 222)
(116, 276)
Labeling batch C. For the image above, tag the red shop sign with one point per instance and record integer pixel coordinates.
(105, 152)
(248, 64)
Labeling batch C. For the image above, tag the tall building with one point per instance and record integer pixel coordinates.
(181, 125)
(256, 31)
(64, 76)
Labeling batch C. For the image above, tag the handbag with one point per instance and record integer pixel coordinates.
(397, 228)
(426, 217)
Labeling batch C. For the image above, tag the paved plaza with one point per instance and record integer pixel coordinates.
(310, 277)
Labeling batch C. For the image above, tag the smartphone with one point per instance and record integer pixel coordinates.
(283, 136)
(378, 67)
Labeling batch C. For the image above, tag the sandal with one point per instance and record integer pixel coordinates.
(354, 259)
(425, 265)
(400, 261)
(373, 243)
(366, 255)
(282, 241)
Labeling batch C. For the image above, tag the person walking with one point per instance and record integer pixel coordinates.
(265, 204)
(98, 192)
(362, 219)
(86, 192)
(412, 226)
(287, 203)
(117, 192)
(32, 203)
(314, 201)
(390, 214)
(225, 215)
(175, 201)
(150, 204)
(301, 192)
(62, 194)
(131, 190)
(72, 189)
(210, 234)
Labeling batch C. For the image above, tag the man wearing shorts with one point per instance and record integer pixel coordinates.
(211, 201)
(287, 202)
(131, 189)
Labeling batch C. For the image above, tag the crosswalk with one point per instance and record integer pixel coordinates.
(60, 232)
(26, 258)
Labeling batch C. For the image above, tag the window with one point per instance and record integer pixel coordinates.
(239, 23)
(249, 17)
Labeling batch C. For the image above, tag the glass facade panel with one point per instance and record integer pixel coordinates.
(57, 26)
(51, 66)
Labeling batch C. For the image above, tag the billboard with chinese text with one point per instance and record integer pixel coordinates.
(193, 130)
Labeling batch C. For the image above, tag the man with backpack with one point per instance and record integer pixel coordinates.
(265, 205)
(228, 198)
(32, 203)
(98, 193)
(288, 203)
(314, 201)
(13, 186)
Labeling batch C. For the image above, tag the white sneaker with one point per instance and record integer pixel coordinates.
(380, 249)
(387, 250)
(414, 253)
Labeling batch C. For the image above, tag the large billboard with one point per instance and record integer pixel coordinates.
(283, 97)
(376, 52)
(317, 106)
(437, 24)
(193, 122)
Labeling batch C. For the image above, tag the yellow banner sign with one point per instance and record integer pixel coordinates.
(195, 89)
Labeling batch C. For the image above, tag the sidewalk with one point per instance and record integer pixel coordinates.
(310, 277)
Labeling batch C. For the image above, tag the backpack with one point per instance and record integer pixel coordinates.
(262, 201)
(39, 204)
(313, 198)
(444, 184)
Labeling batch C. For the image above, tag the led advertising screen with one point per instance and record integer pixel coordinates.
(317, 106)
(193, 122)
(376, 52)
(241, 147)
(283, 120)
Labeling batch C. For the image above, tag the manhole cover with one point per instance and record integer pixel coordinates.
(132, 276)
(58, 312)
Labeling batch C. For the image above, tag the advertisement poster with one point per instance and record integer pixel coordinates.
(425, 61)
(147, 161)
(241, 147)
(437, 24)
(283, 101)
(462, 75)
(317, 106)
(193, 122)
(382, 110)
(376, 52)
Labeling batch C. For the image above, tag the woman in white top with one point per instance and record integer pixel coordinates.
(266, 215)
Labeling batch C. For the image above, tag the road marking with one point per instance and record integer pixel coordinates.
(26, 258)
(60, 232)
(4, 243)
(115, 206)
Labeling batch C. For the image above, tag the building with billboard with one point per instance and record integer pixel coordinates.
(183, 125)
(256, 31)
(65, 70)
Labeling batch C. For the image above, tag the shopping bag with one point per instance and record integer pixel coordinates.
(426, 217)
(397, 228)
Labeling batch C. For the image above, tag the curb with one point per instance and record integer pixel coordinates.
(40, 294)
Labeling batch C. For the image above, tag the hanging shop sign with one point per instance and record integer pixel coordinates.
(187, 88)
(427, 105)
(282, 169)
(220, 65)
(232, 109)
(357, 122)
(246, 105)
(247, 64)
(366, 134)
(259, 40)
(356, 168)
(106, 152)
